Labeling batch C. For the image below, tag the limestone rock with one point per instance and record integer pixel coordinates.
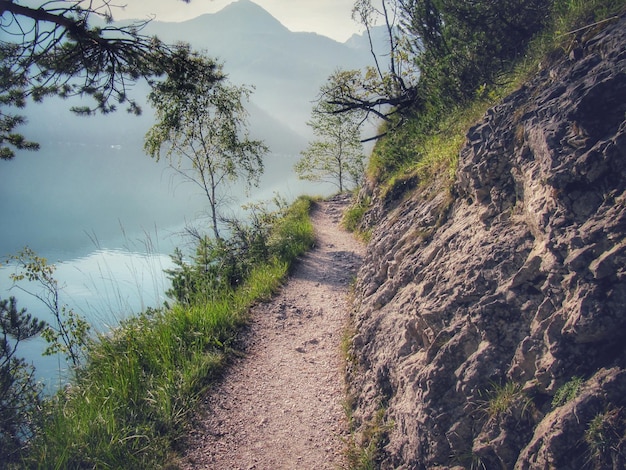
(510, 290)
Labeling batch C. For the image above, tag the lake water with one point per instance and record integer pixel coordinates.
(108, 217)
(104, 287)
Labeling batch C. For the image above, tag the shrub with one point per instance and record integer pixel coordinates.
(223, 264)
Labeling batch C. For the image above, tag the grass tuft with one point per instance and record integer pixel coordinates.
(606, 439)
(506, 400)
(362, 449)
(353, 216)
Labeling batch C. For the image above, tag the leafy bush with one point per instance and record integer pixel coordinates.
(223, 264)
(467, 44)
(69, 333)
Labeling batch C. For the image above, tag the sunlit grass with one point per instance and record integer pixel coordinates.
(129, 404)
(428, 144)
(353, 217)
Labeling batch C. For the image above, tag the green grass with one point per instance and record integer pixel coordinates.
(605, 438)
(363, 448)
(427, 146)
(353, 217)
(506, 399)
(129, 404)
(567, 392)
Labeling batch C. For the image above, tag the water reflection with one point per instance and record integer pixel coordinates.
(105, 287)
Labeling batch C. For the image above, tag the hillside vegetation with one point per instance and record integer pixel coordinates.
(488, 317)
(129, 403)
(489, 310)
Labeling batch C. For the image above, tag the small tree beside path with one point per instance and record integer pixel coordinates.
(202, 129)
(336, 156)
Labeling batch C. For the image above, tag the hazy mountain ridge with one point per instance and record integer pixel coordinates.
(286, 68)
(380, 39)
(244, 16)
(56, 192)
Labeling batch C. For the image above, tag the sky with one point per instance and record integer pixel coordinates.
(332, 18)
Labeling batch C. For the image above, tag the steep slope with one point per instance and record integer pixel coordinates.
(472, 312)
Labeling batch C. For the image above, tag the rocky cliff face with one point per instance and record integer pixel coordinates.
(474, 312)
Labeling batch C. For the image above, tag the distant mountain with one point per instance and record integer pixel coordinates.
(91, 173)
(286, 68)
(242, 16)
(361, 42)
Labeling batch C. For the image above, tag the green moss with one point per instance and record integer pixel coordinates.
(567, 392)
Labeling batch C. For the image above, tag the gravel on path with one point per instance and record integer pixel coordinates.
(280, 405)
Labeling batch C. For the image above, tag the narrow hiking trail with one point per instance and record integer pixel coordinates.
(279, 406)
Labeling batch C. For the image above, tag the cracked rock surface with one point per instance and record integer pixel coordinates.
(510, 289)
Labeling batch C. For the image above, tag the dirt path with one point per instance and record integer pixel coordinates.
(279, 407)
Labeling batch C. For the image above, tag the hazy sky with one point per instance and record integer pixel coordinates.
(330, 18)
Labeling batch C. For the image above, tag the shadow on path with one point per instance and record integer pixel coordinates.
(335, 268)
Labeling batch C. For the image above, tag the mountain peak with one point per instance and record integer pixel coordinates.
(247, 15)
